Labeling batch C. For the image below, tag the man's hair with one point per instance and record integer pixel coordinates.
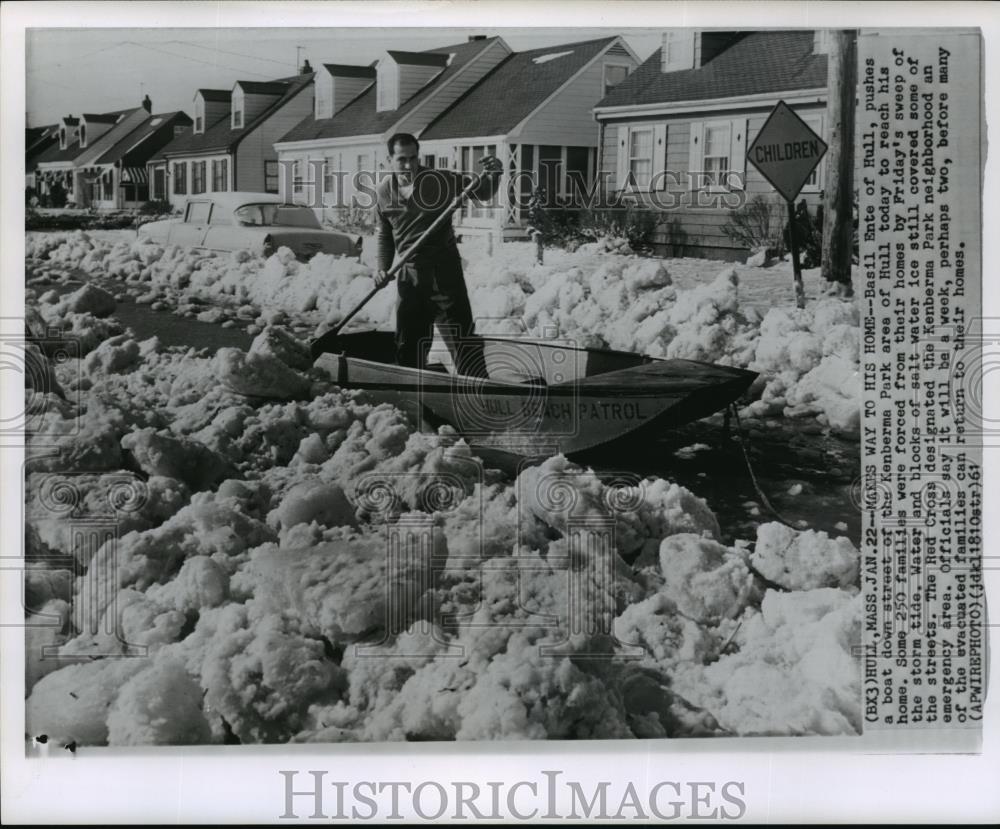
(403, 138)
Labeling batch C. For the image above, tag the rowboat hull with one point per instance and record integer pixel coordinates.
(542, 397)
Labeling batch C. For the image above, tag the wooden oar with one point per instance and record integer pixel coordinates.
(330, 341)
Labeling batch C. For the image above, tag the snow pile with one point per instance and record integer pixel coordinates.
(310, 568)
(810, 359)
(159, 706)
(277, 610)
(795, 671)
(804, 560)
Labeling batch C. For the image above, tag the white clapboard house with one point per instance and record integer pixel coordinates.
(675, 132)
(99, 159)
(532, 109)
(231, 143)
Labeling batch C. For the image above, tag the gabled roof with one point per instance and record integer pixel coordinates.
(97, 146)
(101, 117)
(54, 154)
(145, 130)
(359, 117)
(219, 137)
(263, 87)
(762, 62)
(513, 90)
(39, 135)
(216, 94)
(344, 70)
(36, 141)
(419, 58)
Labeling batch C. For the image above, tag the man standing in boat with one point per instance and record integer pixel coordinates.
(431, 285)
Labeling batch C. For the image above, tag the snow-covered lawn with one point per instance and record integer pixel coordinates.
(257, 555)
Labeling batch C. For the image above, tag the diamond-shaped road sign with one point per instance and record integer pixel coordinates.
(786, 151)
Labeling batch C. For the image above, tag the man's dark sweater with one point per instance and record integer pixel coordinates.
(400, 221)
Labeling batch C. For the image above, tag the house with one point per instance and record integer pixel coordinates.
(54, 165)
(99, 158)
(79, 138)
(532, 109)
(114, 174)
(675, 132)
(359, 107)
(231, 144)
(36, 141)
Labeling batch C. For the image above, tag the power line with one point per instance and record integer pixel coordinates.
(226, 52)
(76, 58)
(196, 60)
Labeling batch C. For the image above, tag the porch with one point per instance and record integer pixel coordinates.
(109, 187)
(564, 174)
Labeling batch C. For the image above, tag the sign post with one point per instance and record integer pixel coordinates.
(786, 151)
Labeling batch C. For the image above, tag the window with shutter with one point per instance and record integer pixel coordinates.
(717, 158)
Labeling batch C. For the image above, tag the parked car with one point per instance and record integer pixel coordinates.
(258, 222)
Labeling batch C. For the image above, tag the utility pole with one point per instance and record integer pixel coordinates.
(838, 201)
(298, 62)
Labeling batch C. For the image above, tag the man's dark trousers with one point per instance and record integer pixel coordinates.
(432, 291)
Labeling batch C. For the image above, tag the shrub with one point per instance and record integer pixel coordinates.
(570, 227)
(760, 223)
(157, 207)
(84, 220)
(349, 219)
(808, 234)
(57, 195)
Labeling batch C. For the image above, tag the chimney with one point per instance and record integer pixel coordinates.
(147, 104)
(476, 37)
(306, 68)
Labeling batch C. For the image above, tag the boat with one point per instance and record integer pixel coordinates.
(542, 397)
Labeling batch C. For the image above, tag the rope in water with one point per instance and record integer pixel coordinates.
(753, 478)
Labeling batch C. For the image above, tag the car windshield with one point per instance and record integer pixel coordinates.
(276, 215)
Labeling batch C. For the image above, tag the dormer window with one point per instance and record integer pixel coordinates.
(237, 119)
(614, 74)
(62, 138)
(83, 136)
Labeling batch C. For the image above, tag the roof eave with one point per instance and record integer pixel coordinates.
(737, 101)
(338, 141)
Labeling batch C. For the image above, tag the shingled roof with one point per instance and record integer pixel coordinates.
(513, 90)
(219, 136)
(120, 149)
(73, 149)
(419, 58)
(762, 62)
(360, 117)
(102, 117)
(345, 70)
(216, 94)
(263, 87)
